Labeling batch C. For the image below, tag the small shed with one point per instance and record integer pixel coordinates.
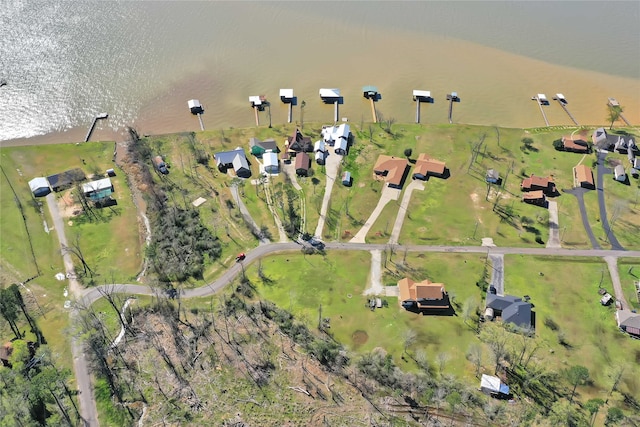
(39, 186)
(195, 106)
(346, 179)
(270, 160)
(493, 386)
(619, 173)
(493, 176)
(606, 299)
(320, 157)
(488, 314)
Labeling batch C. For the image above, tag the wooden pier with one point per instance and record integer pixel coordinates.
(93, 125)
(331, 96)
(258, 103)
(541, 100)
(196, 109)
(452, 97)
(612, 102)
(371, 93)
(421, 96)
(286, 96)
(563, 103)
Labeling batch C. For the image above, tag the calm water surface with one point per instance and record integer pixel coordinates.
(141, 61)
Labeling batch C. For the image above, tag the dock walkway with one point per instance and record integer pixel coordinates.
(93, 125)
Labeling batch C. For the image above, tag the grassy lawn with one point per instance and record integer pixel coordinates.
(629, 270)
(567, 293)
(337, 282)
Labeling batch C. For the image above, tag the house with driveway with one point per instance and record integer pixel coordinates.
(428, 166)
(534, 183)
(258, 148)
(574, 145)
(235, 160)
(583, 176)
(422, 295)
(628, 322)
(298, 143)
(510, 309)
(392, 169)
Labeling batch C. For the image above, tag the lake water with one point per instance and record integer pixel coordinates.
(65, 62)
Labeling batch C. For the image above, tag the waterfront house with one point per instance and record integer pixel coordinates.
(320, 157)
(422, 295)
(535, 198)
(427, 166)
(270, 162)
(583, 177)
(297, 143)
(303, 163)
(332, 134)
(66, 179)
(392, 169)
(39, 186)
(619, 174)
(98, 191)
(259, 147)
(234, 159)
(574, 145)
(599, 138)
(534, 183)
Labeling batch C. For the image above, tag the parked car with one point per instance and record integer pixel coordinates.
(240, 257)
(161, 165)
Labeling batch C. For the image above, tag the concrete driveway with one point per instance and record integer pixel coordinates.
(554, 232)
(404, 206)
(388, 194)
(332, 165)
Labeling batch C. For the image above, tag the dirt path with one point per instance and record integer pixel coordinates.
(247, 216)
(290, 171)
(388, 194)
(332, 166)
(269, 198)
(402, 212)
(612, 263)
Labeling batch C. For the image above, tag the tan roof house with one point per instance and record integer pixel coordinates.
(393, 169)
(422, 295)
(534, 198)
(428, 166)
(583, 176)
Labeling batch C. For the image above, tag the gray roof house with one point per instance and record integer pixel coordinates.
(628, 322)
(258, 147)
(619, 174)
(512, 309)
(235, 159)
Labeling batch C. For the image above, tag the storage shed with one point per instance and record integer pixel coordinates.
(346, 179)
(39, 186)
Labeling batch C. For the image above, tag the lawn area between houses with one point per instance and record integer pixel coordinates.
(629, 270)
(567, 306)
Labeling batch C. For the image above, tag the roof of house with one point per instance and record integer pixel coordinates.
(492, 173)
(425, 290)
(298, 142)
(518, 313)
(226, 157)
(599, 135)
(500, 302)
(302, 161)
(493, 384)
(333, 133)
(574, 144)
(268, 144)
(95, 186)
(270, 159)
(536, 181)
(66, 178)
(627, 318)
(319, 145)
(39, 182)
(584, 174)
(240, 162)
(428, 165)
(341, 144)
(393, 167)
(533, 195)
(618, 170)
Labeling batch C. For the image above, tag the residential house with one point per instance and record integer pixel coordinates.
(619, 174)
(393, 170)
(259, 147)
(99, 190)
(270, 162)
(583, 176)
(621, 145)
(297, 143)
(631, 156)
(303, 163)
(39, 186)
(599, 138)
(66, 179)
(574, 145)
(338, 137)
(427, 166)
(341, 146)
(628, 322)
(493, 176)
(511, 309)
(422, 295)
(321, 153)
(535, 198)
(493, 386)
(534, 183)
(234, 159)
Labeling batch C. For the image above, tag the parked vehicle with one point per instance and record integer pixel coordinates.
(161, 165)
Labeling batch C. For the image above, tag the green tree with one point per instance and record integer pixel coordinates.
(613, 114)
(408, 152)
(564, 414)
(577, 375)
(593, 406)
(614, 416)
(9, 310)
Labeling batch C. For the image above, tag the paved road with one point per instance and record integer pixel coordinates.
(612, 264)
(404, 206)
(602, 170)
(388, 194)
(375, 276)
(497, 272)
(554, 234)
(579, 194)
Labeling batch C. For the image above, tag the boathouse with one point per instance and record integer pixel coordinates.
(195, 107)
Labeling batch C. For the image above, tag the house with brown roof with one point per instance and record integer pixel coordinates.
(534, 183)
(583, 176)
(298, 143)
(535, 198)
(428, 166)
(422, 295)
(574, 145)
(303, 163)
(392, 169)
